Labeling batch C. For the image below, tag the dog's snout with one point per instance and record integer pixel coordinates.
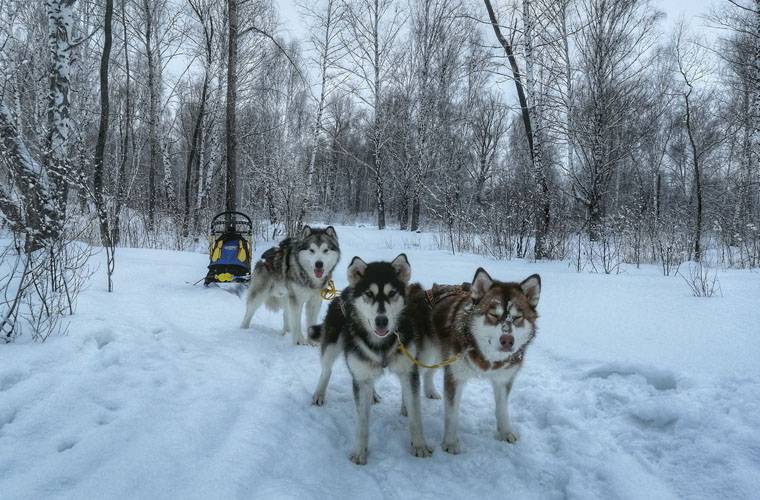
(381, 321)
(318, 264)
(507, 342)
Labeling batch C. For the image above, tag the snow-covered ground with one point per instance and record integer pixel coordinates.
(633, 389)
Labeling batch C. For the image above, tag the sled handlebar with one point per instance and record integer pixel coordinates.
(231, 220)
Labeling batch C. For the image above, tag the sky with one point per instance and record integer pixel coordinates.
(292, 24)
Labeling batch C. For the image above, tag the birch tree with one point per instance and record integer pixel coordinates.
(27, 203)
(60, 19)
(204, 14)
(100, 204)
(613, 49)
(328, 23)
(230, 197)
(528, 112)
(373, 26)
(434, 21)
(701, 130)
(739, 22)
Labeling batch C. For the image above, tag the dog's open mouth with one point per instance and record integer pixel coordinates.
(381, 332)
(319, 272)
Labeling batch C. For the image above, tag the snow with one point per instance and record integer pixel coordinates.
(633, 389)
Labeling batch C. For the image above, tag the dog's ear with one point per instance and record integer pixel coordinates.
(330, 231)
(480, 284)
(531, 287)
(306, 232)
(356, 270)
(402, 267)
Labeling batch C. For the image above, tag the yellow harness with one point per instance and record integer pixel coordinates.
(448, 361)
(329, 292)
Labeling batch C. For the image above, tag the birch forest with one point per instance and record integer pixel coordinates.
(599, 132)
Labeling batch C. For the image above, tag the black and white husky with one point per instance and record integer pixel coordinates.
(292, 275)
(368, 323)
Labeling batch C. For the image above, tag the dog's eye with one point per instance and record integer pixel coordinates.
(311, 250)
(493, 315)
(516, 318)
(391, 294)
(324, 251)
(369, 295)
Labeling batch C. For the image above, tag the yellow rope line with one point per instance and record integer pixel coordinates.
(445, 362)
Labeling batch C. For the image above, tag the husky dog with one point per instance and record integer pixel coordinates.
(368, 323)
(490, 325)
(293, 274)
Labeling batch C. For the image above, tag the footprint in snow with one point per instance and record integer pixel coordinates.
(659, 379)
(101, 338)
(66, 444)
(7, 417)
(10, 379)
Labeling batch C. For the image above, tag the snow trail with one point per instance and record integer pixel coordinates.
(633, 389)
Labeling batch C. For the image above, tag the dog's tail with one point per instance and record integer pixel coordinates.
(315, 332)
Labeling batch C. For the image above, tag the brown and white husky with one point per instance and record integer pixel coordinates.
(489, 325)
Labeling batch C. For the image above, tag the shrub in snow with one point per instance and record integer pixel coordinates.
(40, 286)
(701, 279)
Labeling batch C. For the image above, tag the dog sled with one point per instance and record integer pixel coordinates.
(230, 244)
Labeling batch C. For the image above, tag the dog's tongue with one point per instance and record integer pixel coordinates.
(381, 332)
(318, 273)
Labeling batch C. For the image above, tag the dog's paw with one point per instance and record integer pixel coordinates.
(452, 447)
(509, 437)
(318, 399)
(421, 450)
(359, 457)
(431, 393)
(376, 397)
(404, 413)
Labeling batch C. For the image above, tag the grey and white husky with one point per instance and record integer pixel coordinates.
(489, 324)
(292, 275)
(368, 322)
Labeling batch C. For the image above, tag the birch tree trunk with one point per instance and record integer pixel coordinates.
(697, 245)
(543, 214)
(100, 205)
(31, 210)
(377, 131)
(232, 54)
(152, 111)
(121, 178)
(60, 25)
(192, 179)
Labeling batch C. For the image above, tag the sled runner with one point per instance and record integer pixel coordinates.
(230, 242)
